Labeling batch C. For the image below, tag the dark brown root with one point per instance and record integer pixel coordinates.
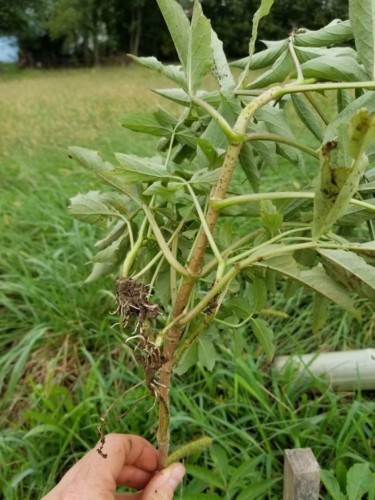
(132, 301)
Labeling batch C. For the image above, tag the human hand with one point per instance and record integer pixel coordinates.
(131, 461)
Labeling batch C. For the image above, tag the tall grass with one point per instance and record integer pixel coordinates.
(62, 363)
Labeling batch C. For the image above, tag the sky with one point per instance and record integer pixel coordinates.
(8, 49)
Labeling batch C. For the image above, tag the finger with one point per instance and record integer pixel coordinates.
(133, 477)
(164, 483)
(93, 473)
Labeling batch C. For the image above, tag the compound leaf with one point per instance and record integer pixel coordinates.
(362, 20)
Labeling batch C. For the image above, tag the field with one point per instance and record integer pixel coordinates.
(61, 361)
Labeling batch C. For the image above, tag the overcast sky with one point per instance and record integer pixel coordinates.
(8, 49)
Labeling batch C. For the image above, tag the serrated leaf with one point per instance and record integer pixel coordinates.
(199, 49)
(305, 54)
(205, 178)
(362, 20)
(110, 253)
(206, 352)
(146, 123)
(280, 71)
(331, 485)
(118, 229)
(315, 278)
(307, 116)
(222, 70)
(171, 72)
(103, 169)
(351, 270)
(335, 32)
(264, 58)
(359, 480)
(137, 169)
(178, 26)
(264, 335)
(329, 67)
(91, 208)
(188, 359)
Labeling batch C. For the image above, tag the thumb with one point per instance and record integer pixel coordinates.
(164, 482)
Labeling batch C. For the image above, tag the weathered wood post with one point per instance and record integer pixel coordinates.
(301, 475)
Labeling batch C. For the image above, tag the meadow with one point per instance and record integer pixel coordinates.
(62, 362)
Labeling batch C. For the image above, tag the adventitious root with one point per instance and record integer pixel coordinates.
(132, 301)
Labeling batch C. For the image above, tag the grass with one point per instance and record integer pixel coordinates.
(62, 363)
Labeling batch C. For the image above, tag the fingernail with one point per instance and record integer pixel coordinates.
(176, 474)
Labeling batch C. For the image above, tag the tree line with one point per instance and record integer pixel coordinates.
(91, 32)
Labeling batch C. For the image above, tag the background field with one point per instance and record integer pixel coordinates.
(62, 363)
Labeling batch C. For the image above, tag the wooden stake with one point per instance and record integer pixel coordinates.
(301, 475)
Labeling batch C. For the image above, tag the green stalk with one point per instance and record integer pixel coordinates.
(132, 254)
(259, 136)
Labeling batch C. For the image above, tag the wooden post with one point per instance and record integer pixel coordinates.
(301, 475)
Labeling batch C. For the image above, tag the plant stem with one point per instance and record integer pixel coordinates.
(293, 88)
(296, 62)
(260, 136)
(194, 265)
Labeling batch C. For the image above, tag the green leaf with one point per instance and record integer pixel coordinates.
(118, 229)
(351, 270)
(188, 359)
(146, 123)
(271, 219)
(305, 54)
(335, 32)
(220, 459)
(344, 98)
(171, 72)
(359, 480)
(137, 169)
(204, 178)
(206, 352)
(315, 278)
(205, 475)
(367, 101)
(92, 208)
(276, 122)
(320, 312)
(258, 294)
(103, 169)
(246, 470)
(362, 20)
(99, 270)
(262, 11)
(280, 71)
(110, 254)
(257, 489)
(264, 335)
(331, 485)
(307, 116)
(222, 70)
(249, 166)
(265, 149)
(199, 49)
(337, 184)
(178, 26)
(264, 58)
(329, 67)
